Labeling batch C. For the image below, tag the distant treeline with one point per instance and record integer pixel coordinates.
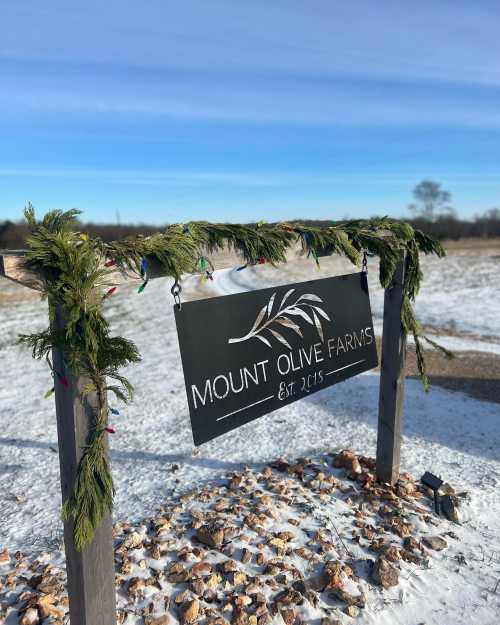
(13, 234)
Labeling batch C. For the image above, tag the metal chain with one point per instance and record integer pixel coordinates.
(176, 292)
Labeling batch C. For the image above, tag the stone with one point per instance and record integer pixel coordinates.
(30, 617)
(46, 607)
(157, 620)
(437, 543)
(391, 553)
(4, 557)
(246, 556)
(240, 617)
(384, 573)
(288, 615)
(210, 535)
(133, 541)
(136, 586)
(213, 581)
(201, 568)
(289, 597)
(326, 620)
(197, 586)
(352, 611)
(189, 611)
(410, 543)
(348, 460)
(238, 578)
(356, 600)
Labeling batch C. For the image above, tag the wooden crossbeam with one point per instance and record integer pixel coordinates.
(13, 267)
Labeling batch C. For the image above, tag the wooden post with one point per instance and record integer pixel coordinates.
(91, 575)
(392, 378)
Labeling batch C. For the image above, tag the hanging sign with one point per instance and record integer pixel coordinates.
(247, 354)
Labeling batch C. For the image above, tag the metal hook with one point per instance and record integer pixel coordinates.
(176, 292)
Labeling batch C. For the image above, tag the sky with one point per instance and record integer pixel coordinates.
(161, 112)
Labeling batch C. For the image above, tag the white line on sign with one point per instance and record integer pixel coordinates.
(245, 407)
(346, 367)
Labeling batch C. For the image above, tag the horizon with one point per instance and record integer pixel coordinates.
(169, 113)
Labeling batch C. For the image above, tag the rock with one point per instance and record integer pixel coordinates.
(238, 578)
(410, 543)
(133, 541)
(289, 597)
(229, 565)
(213, 581)
(326, 620)
(46, 607)
(411, 556)
(4, 557)
(317, 583)
(197, 586)
(210, 535)
(246, 556)
(435, 542)
(183, 596)
(189, 611)
(391, 553)
(288, 616)
(136, 586)
(30, 617)
(157, 620)
(240, 617)
(449, 507)
(348, 460)
(201, 568)
(351, 611)
(334, 573)
(178, 574)
(356, 600)
(300, 586)
(384, 573)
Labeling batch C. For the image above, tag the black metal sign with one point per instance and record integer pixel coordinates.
(247, 354)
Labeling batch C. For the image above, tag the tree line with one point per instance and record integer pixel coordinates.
(431, 211)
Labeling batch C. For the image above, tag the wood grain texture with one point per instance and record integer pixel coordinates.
(392, 378)
(91, 577)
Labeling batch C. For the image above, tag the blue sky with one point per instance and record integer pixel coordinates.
(231, 110)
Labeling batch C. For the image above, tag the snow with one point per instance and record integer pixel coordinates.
(445, 432)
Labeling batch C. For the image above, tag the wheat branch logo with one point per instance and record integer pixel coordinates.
(288, 315)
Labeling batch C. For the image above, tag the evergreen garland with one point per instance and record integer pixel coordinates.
(77, 270)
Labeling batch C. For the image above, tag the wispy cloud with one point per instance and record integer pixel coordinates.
(231, 178)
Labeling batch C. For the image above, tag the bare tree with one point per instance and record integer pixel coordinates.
(431, 201)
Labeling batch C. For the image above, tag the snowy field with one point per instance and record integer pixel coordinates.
(445, 432)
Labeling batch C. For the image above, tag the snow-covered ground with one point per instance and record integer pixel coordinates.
(445, 432)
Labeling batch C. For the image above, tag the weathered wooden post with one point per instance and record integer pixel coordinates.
(91, 576)
(392, 378)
